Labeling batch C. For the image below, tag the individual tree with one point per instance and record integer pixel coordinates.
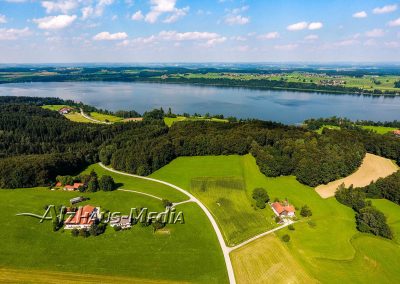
(106, 183)
(305, 211)
(261, 197)
(286, 238)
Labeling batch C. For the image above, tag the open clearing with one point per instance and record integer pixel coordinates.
(266, 260)
(372, 168)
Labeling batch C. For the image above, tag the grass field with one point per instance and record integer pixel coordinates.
(171, 120)
(319, 131)
(29, 246)
(106, 117)
(372, 168)
(77, 117)
(55, 107)
(392, 213)
(325, 247)
(380, 129)
(222, 184)
(266, 260)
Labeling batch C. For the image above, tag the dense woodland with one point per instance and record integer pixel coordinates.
(35, 138)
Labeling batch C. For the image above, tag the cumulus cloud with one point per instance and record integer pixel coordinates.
(385, 9)
(13, 34)
(375, 33)
(55, 22)
(63, 6)
(394, 23)
(360, 15)
(109, 36)
(297, 26)
(87, 12)
(234, 16)
(137, 16)
(210, 38)
(315, 26)
(270, 35)
(304, 25)
(3, 19)
(159, 7)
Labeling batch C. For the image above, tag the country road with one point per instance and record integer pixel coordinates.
(92, 119)
(221, 241)
(225, 249)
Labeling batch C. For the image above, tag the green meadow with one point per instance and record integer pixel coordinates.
(173, 254)
(106, 117)
(171, 120)
(224, 185)
(379, 129)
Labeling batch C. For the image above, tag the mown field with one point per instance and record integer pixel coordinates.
(138, 253)
(171, 120)
(324, 248)
(222, 184)
(378, 129)
(106, 117)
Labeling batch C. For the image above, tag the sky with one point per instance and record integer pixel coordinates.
(138, 31)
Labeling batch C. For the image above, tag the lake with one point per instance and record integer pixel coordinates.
(284, 106)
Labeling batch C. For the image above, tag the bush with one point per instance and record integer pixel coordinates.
(106, 183)
(291, 227)
(261, 197)
(166, 203)
(84, 233)
(286, 238)
(312, 224)
(305, 211)
(370, 220)
(117, 228)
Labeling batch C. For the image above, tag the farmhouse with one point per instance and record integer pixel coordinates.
(83, 218)
(73, 187)
(65, 110)
(283, 210)
(124, 222)
(397, 132)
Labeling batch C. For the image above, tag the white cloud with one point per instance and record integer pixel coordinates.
(394, 23)
(159, 7)
(270, 35)
(360, 15)
(87, 12)
(311, 37)
(375, 33)
(63, 6)
(304, 25)
(286, 47)
(392, 44)
(108, 36)
(297, 26)
(3, 19)
(13, 34)
(236, 20)
(209, 38)
(385, 9)
(178, 13)
(137, 16)
(55, 22)
(315, 26)
(16, 1)
(346, 42)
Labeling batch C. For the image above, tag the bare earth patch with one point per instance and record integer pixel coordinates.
(372, 168)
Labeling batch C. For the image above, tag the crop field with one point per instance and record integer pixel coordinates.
(372, 168)
(221, 184)
(28, 245)
(106, 117)
(267, 260)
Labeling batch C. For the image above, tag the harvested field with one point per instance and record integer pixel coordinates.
(372, 168)
(267, 260)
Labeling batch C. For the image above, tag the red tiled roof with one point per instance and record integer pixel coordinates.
(397, 132)
(58, 184)
(279, 208)
(82, 216)
(76, 185)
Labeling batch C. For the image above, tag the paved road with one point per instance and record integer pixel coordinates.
(139, 192)
(92, 119)
(221, 241)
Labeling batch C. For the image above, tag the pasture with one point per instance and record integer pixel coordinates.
(220, 182)
(138, 253)
(372, 168)
(106, 117)
(379, 129)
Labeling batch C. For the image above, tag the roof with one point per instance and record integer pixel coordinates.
(279, 208)
(65, 108)
(82, 216)
(58, 184)
(397, 132)
(76, 185)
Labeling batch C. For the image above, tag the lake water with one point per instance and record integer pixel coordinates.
(284, 106)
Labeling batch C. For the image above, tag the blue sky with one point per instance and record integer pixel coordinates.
(132, 31)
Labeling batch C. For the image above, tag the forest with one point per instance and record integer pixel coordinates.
(42, 140)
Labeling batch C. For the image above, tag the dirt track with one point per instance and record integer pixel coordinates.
(372, 168)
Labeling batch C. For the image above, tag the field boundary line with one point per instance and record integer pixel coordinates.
(225, 249)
